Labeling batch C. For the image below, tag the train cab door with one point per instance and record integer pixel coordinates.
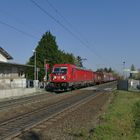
(74, 78)
(74, 74)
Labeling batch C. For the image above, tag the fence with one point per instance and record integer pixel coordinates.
(130, 84)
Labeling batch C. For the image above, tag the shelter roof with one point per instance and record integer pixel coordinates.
(14, 64)
(5, 54)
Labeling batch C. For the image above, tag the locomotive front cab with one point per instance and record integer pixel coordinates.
(59, 78)
(59, 74)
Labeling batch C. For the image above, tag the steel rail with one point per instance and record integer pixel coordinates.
(14, 127)
(14, 102)
(28, 99)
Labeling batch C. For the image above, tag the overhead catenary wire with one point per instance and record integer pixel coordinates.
(82, 41)
(18, 30)
(86, 43)
(67, 21)
(64, 27)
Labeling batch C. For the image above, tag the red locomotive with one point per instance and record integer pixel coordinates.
(67, 76)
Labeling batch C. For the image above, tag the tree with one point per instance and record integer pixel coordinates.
(132, 75)
(108, 70)
(100, 70)
(105, 69)
(66, 57)
(47, 50)
(78, 61)
(132, 67)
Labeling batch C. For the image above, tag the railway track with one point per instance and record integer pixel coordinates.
(24, 100)
(15, 102)
(13, 127)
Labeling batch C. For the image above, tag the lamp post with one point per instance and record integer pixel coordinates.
(124, 69)
(34, 51)
(46, 68)
(83, 59)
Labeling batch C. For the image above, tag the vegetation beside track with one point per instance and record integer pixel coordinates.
(122, 119)
(119, 120)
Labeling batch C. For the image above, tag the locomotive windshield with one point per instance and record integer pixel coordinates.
(60, 70)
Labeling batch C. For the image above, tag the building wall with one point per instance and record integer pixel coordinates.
(11, 72)
(11, 84)
(12, 76)
(2, 58)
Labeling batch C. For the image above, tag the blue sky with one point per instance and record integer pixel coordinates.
(109, 30)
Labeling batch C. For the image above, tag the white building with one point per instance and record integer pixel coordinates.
(12, 75)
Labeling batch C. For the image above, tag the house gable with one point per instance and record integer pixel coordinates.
(4, 56)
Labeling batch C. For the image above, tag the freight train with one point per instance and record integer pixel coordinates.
(67, 77)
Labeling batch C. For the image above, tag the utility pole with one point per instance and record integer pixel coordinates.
(124, 69)
(35, 82)
(46, 68)
(34, 51)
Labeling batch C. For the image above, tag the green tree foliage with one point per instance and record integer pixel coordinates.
(108, 70)
(132, 67)
(133, 75)
(78, 61)
(100, 70)
(66, 57)
(47, 50)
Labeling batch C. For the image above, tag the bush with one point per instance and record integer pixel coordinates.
(136, 111)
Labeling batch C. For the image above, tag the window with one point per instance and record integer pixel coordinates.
(60, 70)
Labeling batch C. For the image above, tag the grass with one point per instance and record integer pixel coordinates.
(122, 120)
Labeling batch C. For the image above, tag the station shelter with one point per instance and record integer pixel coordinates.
(12, 75)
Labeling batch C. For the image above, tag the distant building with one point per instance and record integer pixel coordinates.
(12, 75)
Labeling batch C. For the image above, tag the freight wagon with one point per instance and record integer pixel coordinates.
(66, 77)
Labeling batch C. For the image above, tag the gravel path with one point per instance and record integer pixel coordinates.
(27, 107)
(77, 125)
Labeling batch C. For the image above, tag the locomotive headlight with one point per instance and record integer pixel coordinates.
(54, 77)
(63, 77)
